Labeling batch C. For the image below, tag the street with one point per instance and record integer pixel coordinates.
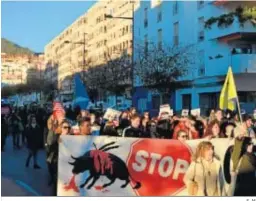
(17, 180)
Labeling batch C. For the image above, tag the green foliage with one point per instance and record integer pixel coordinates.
(243, 15)
(9, 47)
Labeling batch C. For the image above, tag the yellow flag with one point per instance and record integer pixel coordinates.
(228, 93)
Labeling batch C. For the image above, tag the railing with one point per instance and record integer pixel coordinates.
(240, 63)
(216, 32)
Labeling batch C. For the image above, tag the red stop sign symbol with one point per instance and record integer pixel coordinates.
(159, 165)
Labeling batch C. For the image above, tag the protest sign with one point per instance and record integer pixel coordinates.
(110, 166)
(254, 114)
(112, 114)
(164, 109)
(5, 110)
(58, 110)
(195, 112)
(184, 113)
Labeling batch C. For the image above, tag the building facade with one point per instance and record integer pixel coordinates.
(20, 69)
(181, 23)
(91, 40)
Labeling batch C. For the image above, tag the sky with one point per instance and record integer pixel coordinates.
(33, 24)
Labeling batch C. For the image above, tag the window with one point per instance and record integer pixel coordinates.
(142, 104)
(186, 101)
(175, 7)
(146, 17)
(155, 102)
(176, 33)
(200, 4)
(201, 69)
(160, 39)
(201, 29)
(146, 45)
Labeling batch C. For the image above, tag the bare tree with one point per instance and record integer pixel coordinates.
(118, 72)
(160, 69)
(113, 76)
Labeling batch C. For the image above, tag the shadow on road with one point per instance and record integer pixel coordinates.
(18, 180)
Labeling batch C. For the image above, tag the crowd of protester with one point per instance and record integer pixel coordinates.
(38, 128)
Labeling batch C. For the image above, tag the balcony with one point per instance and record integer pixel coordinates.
(244, 63)
(231, 32)
(241, 63)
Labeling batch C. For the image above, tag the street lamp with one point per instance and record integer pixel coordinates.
(127, 18)
(79, 43)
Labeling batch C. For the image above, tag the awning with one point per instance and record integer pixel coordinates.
(246, 36)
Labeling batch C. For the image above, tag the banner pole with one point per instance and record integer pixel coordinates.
(239, 110)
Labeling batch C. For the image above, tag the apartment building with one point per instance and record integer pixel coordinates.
(218, 47)
(91, 40)
(21, 69)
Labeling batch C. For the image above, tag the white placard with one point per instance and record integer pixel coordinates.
(195, 112)
(184, 113)
(111, 113)
(165, 109)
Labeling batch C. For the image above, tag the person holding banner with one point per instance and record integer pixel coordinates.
(182, 136)
(245, 171)
(204, 176)
(85, 126)
(213, 130)
(134, 130)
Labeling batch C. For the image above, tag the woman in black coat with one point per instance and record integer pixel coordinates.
(33, 141)
(246, 178)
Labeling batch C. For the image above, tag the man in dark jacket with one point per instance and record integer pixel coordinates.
(33, 141)
(17, 129)
(164, 126)
(134, 130)
(4, 131)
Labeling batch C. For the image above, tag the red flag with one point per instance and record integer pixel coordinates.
(58, 110)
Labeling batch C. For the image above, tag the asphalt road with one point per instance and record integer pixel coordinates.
(18, 180)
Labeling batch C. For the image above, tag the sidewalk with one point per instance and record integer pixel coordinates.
(21, 178)
(11, 188)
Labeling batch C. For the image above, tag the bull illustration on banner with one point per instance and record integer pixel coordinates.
(101, 163)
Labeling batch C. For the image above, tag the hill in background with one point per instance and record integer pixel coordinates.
(9, 47)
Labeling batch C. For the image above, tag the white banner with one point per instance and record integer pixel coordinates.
(110, 166)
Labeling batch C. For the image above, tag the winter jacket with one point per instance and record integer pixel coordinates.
(164, 129)
(133, 132)
(33, 136)
(246, 178)
(110, 130)
(207, 184)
